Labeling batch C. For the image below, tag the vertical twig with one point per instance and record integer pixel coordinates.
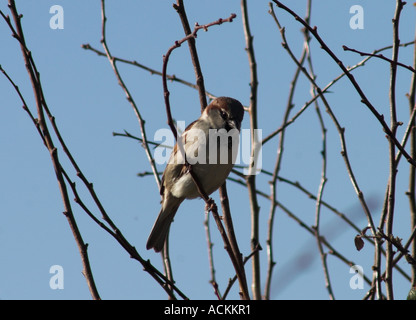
(392, 149)
(319, 202)
(180, 8)
(276, 171)
(412, 170)
(251, 178)
(377, 277)
(210, 245)
(316, 227)
(167, 265)
(228, 222)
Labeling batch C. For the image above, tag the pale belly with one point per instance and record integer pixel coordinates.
(211, 177)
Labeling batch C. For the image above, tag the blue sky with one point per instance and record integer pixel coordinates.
(83, 94)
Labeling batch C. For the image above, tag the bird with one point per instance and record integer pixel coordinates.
(209, 145)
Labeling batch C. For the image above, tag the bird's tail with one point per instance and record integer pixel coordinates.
(161, 227)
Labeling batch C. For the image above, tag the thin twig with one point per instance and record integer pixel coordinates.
(210, 245)
(319, 206)
(232, 281)
(251, 179)
(319, 196)
(180, 8)
(276, 171)
(380, 56)
(392, 149)
(397, 243)
(152, 71)
(411, 193)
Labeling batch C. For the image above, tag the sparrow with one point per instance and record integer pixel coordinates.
(209, 145)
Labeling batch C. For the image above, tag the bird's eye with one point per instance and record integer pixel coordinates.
(223, 114)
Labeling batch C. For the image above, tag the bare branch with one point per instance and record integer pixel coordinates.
(380, 56)
(251, 179)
